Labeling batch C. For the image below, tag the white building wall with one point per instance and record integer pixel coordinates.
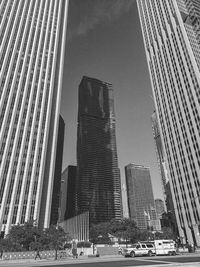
(175, 80)
(30, 55)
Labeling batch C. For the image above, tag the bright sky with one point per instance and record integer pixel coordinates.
(104, 41)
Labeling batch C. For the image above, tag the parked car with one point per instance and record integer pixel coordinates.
(139, 249)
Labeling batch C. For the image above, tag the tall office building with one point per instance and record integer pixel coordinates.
(58, 173)
(32, 40)
(63, 195)
(171, 36)
(98, 175)
(159, 152)
(140, 197)
(68, 194)
(169, 218)
(169, 206)
(160, 207)
(70, 210)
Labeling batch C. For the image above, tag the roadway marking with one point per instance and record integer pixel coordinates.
(151, 260)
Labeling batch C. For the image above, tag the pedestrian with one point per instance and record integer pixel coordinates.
(189, 248)
(193, 247)
(74, 249)
(74, 253)
(81, 253)
(37, 254)
(120, 250)
(1, 254)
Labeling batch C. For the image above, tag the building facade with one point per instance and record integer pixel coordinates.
(160, 207)
(171, 37)
(57, 174)
(98, 175)
(63, 195)
(77, 227)
(140, 197)
(168, 219)
(159, 152)
(70, 210)
(32, 44)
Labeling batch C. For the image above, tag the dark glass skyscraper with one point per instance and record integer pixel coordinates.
(98, 175)
(58, 172)
(71, 192)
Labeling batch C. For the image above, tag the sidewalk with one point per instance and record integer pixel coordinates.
(86, 259)
(184, 251)
(49, 262)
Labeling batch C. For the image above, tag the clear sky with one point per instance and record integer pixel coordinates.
(104, 41)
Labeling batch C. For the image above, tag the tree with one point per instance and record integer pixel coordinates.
(124, 229)
(99, 233)
(7, 245)
(84, 244)
(22, 236)
(30, 237)
(55, 237)
(145, 235)
(167, 233)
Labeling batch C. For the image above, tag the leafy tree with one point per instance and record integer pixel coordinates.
(55, 237)
(21, 236)
(123, 229)
(7, 245)
(127, 230)
(30, 237)
(166, 233)
(145, 235)
(99, 233)
(84, 244)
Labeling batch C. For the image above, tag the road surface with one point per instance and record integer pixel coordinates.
(112, 261)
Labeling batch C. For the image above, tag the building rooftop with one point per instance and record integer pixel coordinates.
(137, 166)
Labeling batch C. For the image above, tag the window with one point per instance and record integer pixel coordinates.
(149, 246)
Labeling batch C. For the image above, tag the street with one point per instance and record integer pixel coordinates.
(111, 261)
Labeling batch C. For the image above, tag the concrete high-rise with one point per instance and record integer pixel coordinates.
(140, 197)
(98, 175)
(159, 152)
(171, 38)
(32, 40)
(169, 206)
(160, 207)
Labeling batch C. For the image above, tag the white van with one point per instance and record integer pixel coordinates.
(139, 249)
(165, 247)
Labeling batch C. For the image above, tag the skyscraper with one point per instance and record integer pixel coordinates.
(141, 203)
(70, 210)
(32, 40)
(159, 152)
(98, 175)
(171, 38)
(160, 207)
(57, 174)
(164, 174)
